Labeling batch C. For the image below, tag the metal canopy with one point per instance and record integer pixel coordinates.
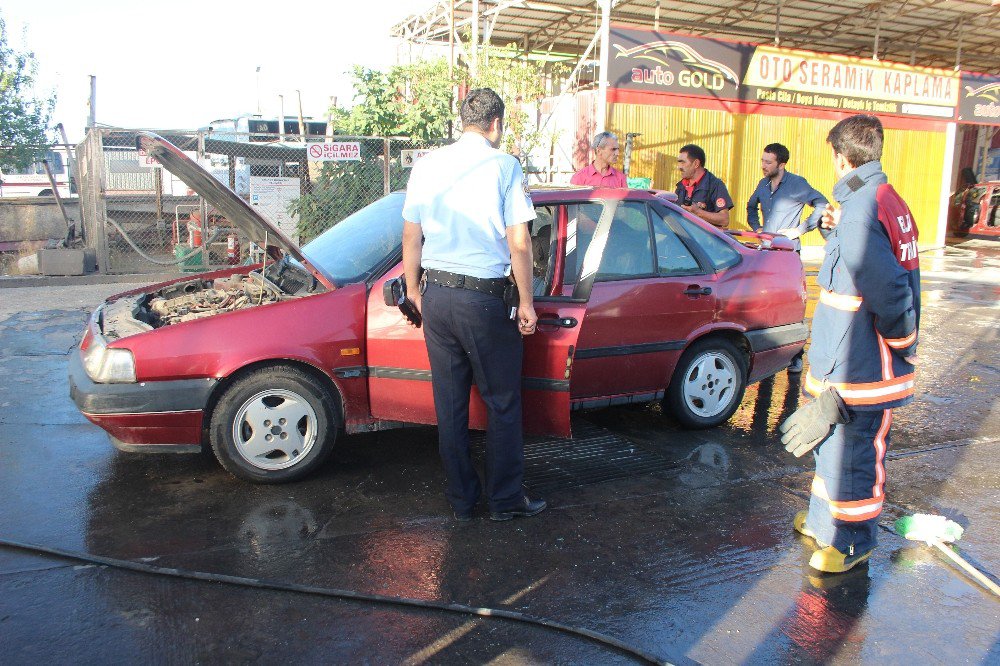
(940, 33)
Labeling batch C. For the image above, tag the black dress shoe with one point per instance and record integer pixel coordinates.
(463, 516)
(522, 509)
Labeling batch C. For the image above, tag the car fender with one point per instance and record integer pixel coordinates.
(730, 330)
(312, 368)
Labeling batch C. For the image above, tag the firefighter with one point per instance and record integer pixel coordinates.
(863, 351)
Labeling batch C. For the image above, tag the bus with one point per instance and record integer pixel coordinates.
(33, 181)
(255, 159)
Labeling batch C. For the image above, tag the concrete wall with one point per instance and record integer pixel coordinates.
(35, 218)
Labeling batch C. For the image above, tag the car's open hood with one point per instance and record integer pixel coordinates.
(227, 202)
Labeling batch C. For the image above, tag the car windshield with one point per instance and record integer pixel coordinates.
(351, 250)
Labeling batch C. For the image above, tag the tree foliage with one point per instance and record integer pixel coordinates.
(413, 101)
(408, 100)
(23, 118)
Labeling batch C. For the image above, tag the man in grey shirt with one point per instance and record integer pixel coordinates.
(781, 196)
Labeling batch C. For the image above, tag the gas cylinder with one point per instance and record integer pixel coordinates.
(194, 230)
(233, 249)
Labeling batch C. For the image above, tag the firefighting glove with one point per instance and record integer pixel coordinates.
(810, 424)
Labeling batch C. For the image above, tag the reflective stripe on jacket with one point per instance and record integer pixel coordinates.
(865, 323)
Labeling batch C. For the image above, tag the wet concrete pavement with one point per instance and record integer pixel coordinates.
(676, 542)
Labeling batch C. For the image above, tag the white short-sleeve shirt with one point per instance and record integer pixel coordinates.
(464, 196)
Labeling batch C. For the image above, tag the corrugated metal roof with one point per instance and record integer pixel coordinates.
(940, 33)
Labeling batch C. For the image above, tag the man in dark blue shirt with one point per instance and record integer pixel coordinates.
(699, 192)
(781, 196)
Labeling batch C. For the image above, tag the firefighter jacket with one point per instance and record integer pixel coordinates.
(865, 324)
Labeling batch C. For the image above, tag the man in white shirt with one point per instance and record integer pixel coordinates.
(466, 224)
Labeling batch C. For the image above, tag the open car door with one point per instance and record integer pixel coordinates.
(399, 377)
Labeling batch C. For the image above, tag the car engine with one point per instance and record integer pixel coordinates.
(186, 301)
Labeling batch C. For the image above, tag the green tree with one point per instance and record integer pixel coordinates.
(408, 100)
(23, 118)
(413, 101)
(519, 82)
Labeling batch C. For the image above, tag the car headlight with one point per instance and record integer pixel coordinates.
(108, 366)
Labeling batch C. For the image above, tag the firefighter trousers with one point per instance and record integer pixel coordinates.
(848, 488)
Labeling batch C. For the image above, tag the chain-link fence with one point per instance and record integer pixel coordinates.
(141, 218)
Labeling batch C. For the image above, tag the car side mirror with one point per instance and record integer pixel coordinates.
(391, 290)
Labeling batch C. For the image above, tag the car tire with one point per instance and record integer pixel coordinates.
(273, 425)
(708, 384)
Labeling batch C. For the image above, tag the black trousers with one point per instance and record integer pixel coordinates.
(469, 338)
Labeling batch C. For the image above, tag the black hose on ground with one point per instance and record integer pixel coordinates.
(240, 581)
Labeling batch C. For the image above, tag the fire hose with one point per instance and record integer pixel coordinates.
(352, 595)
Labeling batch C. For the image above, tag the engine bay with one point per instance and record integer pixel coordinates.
(198, 298)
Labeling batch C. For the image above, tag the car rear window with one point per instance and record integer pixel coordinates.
(720, 253)
(629, 252)
(672, 256)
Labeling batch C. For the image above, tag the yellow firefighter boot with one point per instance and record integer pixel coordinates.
(831, 560)
(799, 524)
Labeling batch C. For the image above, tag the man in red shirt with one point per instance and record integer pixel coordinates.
(600, 173)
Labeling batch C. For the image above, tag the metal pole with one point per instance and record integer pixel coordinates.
(475, 38)
(602, 94)
(302, 120)
(656, 16)
(95, 172)
(629, 147)
(70, 227)
(92, 117)
(451, 68)
(878, 30)
(70, 159)
(281, 117)
(386, 186)
(158, 184)
(958, 49)
(258, 89)
(777, 24)
(203, 209)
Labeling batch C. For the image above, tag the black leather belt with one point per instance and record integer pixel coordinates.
(491, 286)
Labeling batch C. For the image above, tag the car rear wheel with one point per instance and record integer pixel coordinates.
(708, 384)
(273, 426)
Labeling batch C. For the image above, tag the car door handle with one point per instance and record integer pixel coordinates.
(695, 290)
(562, 322)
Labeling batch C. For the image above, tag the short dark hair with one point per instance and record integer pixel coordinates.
(779, 151)
(480, 108)
(694, 153)
(858, 138)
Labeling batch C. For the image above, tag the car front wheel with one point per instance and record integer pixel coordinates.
(708, 384)
(273, 426)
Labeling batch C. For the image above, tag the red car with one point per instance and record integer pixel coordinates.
(978, 210)
(637, 301)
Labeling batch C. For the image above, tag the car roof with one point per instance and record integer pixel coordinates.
(564, 193)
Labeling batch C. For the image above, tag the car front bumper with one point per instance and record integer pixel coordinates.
(162, 415)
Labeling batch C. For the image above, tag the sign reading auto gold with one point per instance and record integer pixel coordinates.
(980, 99)
(676, 63)
(840, 82)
